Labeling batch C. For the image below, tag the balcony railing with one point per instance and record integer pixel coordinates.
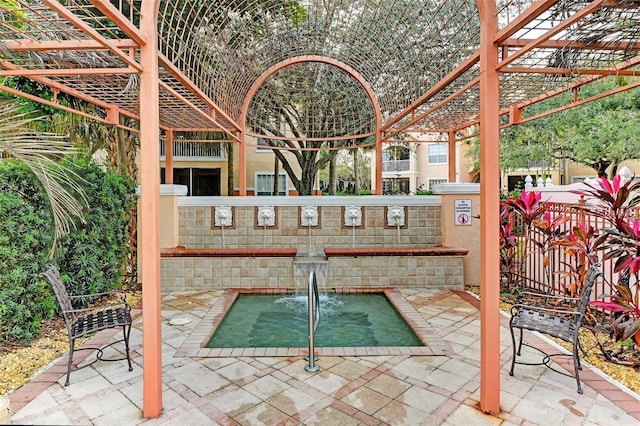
(543, 164)
(194, 150)
(396, 166)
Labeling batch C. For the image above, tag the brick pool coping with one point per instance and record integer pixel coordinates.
(194, 344)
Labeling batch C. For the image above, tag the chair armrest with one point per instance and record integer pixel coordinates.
(548, 296)
(106, 293)
(122, 295)
(518, 306)
(105, 307)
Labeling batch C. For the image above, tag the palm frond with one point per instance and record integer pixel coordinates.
(41, 152)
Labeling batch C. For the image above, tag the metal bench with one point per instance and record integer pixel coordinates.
(538, 315)
(82, 322)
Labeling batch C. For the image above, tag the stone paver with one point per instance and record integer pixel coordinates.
(395, 386)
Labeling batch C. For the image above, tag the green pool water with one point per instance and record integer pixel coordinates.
(258, 321)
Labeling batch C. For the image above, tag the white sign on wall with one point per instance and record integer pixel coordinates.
(462, 211)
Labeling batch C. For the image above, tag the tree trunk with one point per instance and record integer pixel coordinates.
(308, 173)
(276, 173)
(356, 172)
(333, 176)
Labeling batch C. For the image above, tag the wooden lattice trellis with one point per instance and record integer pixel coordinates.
(419, 58)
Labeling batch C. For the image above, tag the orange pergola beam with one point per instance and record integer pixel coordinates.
(452, 156)
(489, 208)
(149, 215)
(91, 32)
(168, 157)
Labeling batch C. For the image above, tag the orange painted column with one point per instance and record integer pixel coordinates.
(168, 158)
(452, 157)
(489, 209)
(242, 160)
(148, 214)
(378, 160)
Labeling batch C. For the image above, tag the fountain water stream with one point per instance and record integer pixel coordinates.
(309, 219)
(353, 218)
(395, 217)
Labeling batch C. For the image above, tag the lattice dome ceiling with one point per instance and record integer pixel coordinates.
(334, 66)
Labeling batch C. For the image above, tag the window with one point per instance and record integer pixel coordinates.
(396, 158)
(438, 153)
(199, 182)
(263, 184)
(393, 186)
(262, 145)
(435, 181)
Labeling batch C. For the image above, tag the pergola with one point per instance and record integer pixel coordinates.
(356, 71)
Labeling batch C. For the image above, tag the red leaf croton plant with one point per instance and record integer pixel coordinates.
(617, 201)
(529, 208)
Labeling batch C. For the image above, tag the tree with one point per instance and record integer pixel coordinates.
(604, 139)
(599, 134)
(298, 110)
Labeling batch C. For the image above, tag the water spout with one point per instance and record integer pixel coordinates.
(309, 218)
(395, 217)
(303, 264)
(223, 217)
(353, 218)
(266, 218)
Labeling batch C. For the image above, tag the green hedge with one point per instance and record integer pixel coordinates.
(91, 257)
(26, 235)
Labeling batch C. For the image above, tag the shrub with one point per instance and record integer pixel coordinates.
(93, 255)
(26, 235)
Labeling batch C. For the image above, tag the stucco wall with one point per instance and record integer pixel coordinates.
(458, 235)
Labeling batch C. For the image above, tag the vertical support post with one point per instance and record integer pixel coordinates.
(242, 160)
(489, 211)
(452, 156)
(149, 238)
(378, 159)
(168, 158)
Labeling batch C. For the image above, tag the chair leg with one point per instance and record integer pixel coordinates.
(520, 343)
(577, 346)
(513, 358)
(576, 369)
(126, 331)
(576, 364)
(69, 362)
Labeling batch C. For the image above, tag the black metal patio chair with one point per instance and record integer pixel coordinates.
(534, 312)
(82, 322)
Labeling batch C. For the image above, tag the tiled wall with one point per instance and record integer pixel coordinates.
(422, 229)
(215, 273)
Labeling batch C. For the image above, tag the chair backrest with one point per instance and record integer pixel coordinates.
(53, 276)
(585, 294)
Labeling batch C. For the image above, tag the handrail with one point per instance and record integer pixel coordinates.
(314, 319)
